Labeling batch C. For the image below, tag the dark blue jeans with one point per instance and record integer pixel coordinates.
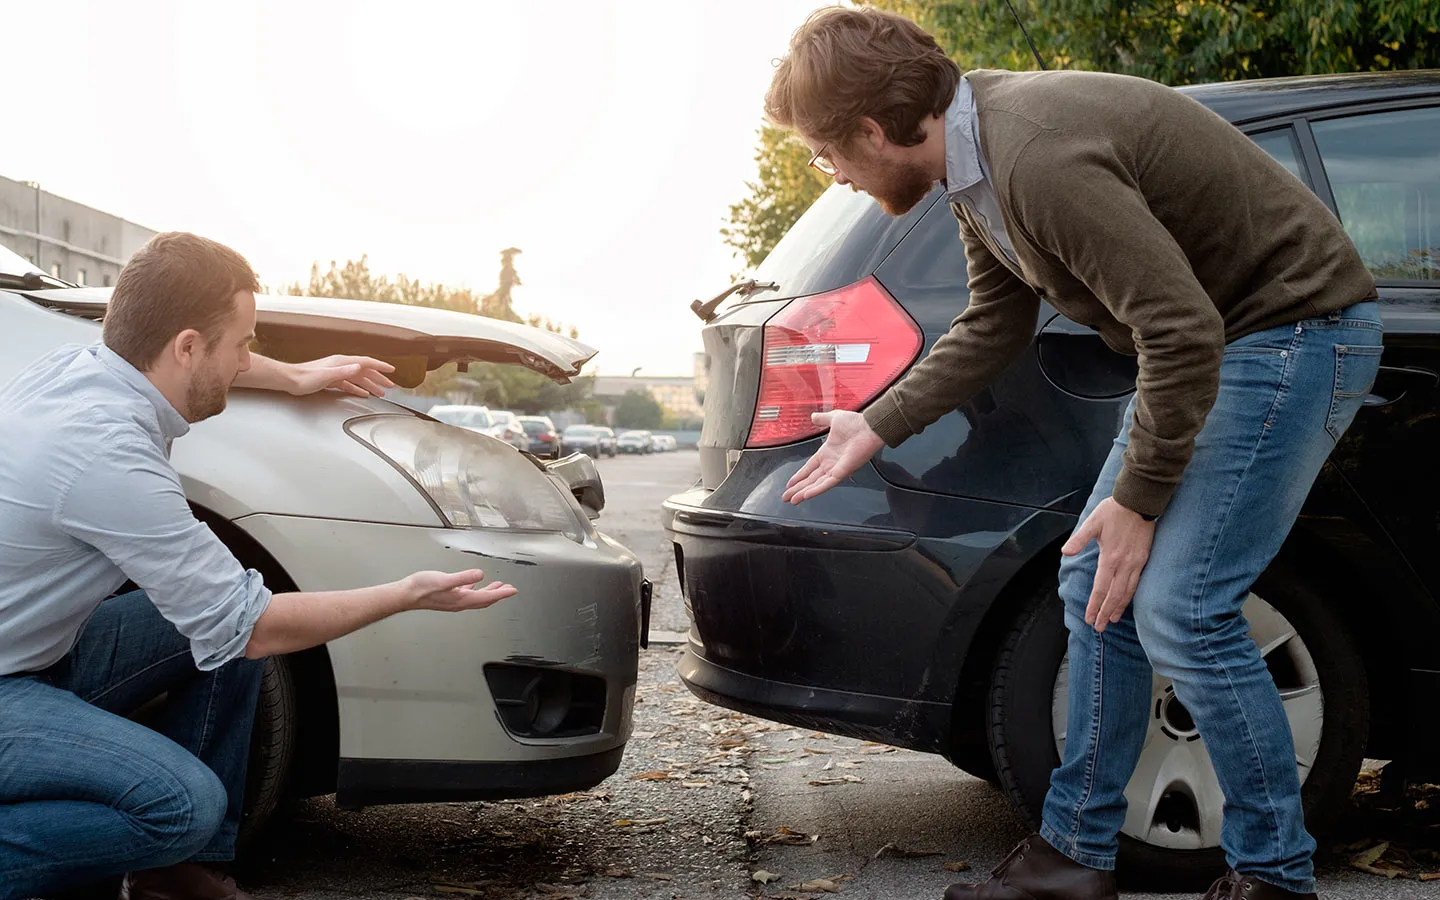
(86, 793)
(1286, 396)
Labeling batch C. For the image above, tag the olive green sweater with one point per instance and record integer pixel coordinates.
(1138, 212)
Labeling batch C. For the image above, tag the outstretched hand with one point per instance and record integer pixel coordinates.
(453, 592)
(358, 375)
(849, 445)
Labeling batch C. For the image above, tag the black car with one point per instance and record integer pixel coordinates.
(916, 604)
(544, 439)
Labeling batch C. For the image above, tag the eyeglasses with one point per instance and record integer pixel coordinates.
(821, 163)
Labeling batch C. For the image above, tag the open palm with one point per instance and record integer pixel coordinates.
(847, 447)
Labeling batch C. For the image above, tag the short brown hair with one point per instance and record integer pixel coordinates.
(845, 64)
(176, 282)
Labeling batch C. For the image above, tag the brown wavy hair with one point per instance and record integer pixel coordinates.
(176, 282)
(846, 64)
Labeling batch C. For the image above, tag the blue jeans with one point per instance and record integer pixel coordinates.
(85, 793)
(1286, 396)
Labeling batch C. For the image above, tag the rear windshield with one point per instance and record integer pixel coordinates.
(581, 431)
(534, 427)
(841, 238)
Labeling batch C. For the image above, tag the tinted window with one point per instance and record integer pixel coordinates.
(1385, 171)
(534, 427)
(841, 238)
(1281, 145)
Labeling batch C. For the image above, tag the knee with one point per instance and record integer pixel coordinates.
(1169, 642)
(182, 810)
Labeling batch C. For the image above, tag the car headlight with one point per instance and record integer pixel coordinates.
(474, 481)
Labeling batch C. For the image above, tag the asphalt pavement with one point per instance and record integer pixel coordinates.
(707, 801)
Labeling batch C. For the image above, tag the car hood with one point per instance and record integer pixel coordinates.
(415, 339)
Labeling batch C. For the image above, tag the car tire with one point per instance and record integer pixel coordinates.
(272, 750)
(1022, 732)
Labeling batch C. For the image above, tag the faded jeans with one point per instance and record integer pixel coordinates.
(85, 793)
(1286, 396)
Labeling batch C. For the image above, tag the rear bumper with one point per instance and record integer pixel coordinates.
(903, 723)
(855, 613)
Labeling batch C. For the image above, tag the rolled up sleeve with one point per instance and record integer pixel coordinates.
(128, 504)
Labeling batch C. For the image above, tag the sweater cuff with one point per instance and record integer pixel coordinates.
(1140, 494)
(885, 419)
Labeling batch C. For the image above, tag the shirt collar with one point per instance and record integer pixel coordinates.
(962, 154)
(172, 424)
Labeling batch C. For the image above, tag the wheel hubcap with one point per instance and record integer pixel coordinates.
(1174, 798)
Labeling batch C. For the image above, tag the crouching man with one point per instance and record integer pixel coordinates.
(89, 500)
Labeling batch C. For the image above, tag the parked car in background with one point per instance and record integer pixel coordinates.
(664, 443)
(330, 491)
(544, 439)
(507, 428)
(634, 442)
(936, 563)
(475, 418)
(592, 440)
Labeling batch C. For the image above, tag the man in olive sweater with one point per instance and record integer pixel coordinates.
(1133, 210)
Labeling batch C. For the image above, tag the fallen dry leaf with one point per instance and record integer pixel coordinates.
(956, 867)
(617, 872)
(626, 823)
(817, 886)
(660, 876)
(843, 779)
(763, 876)
(657, 775)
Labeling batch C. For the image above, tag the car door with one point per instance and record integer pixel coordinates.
(1380, 169)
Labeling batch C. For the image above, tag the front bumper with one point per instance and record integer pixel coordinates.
(413, 688)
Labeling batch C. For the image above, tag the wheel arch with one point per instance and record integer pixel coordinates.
(317, 753)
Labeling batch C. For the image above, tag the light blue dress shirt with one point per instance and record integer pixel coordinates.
(967, 175)
(88, 499)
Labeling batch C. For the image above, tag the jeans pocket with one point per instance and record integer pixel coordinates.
(1355, 371)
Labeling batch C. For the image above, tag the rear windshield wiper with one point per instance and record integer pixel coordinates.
(706, 310)
(32, 281)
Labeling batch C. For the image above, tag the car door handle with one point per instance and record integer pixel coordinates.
(1394, 382)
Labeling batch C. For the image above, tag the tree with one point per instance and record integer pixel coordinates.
(492, 384)
(1176, 42)
(786, 187)
(637, 409)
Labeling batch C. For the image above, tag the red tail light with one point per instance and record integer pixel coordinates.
(832, 351)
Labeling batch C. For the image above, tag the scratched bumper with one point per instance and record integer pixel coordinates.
(413, 687)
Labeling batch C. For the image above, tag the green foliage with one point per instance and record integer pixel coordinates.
(491, 384)
(786, 187)
(637, 409)
(1171, 42)
(1187, 42)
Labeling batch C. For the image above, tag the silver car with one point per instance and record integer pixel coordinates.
(329, 492)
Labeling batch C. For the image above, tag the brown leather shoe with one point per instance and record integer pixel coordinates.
(1037, 871)
(186, 881)
(1234, 886)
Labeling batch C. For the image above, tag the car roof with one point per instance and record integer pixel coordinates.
(1260, 98)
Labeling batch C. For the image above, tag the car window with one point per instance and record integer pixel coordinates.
(1385, 175)
(1280, 144)
(580, 431)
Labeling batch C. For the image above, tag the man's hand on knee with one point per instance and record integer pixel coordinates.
(1124, 537)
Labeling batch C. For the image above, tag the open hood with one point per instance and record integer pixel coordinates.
(415, 339)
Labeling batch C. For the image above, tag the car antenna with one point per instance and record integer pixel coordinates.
(1038, 60)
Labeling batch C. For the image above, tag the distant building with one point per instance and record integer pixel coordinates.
(676, 394)
(67, 239)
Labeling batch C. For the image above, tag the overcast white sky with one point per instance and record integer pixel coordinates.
(605, 139)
